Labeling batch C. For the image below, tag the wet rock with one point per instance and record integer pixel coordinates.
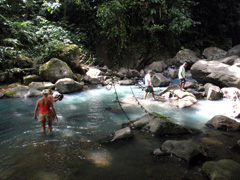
(185, 55)
(224, 169)
(213, 92)
(213, 53)
(234, 51)
(185, 149)
(122, 134)
(159, 125)
(41, 85)
(159, 80)
(68, 85)
(221, 122)
(181, 94)
(126, 82)
(157, 66)
(216, 73)
(169, 88)
(187, 101)
(18, 92)
(31, 78)
(54, 70)
(232, 93)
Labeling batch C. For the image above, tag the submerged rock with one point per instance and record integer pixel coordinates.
(221, 122)
(185, 149)
(224, 169)
(122, 134)
(159, 125)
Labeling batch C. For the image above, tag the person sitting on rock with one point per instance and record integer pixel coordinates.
(47, 112)
(148, 84)
(181, 76)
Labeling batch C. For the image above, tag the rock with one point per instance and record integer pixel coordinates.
(157, 66)
(41, 85)
(24, 62)
(31, 78)
(129, 73)
(104, 69)
(221, 122)
(190, 84)
(228, 60)
(225, 169)
(18, 92)
(216, 73)
(158, 152)
(122, 134)
(185, 149)
(126, 82)
(236, 61)
(54, 70)
(187, 101)
(159, 80)
(213, 53)
(132, 73)
(159, 125)
(68, 85)
(213, 92)
(1, 95)
(185, 55)
(71, 55)
(236, 111)
(33, 93)
(231, 93)
(93, 72)
(234, 51)
(181, 94)
(170, 88)
(172, 73)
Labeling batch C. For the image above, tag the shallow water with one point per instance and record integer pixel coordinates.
(73, 150)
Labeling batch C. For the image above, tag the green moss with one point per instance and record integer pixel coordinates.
(160, 116)
(10, 93)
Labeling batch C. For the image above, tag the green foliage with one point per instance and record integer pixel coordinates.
(10, 93)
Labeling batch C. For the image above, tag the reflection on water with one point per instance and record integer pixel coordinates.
(72, 151)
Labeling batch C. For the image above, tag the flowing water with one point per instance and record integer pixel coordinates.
(73, 150)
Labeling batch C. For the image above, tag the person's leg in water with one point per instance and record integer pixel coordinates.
(49, 126)
(153, 96)
(43, 127)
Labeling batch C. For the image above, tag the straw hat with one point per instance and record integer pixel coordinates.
(45, 92)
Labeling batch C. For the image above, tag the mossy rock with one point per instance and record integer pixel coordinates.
(11, 93)
(55, 69)
(31, 78)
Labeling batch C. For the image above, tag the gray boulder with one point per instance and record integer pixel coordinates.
(41, 85)
(68, 85)
(213, 53)
(122, 134)
(185, 55)
(34, 93)
(157, 66)
(126, 82)
(172, 73)
(185, 149)
(234, 51)
(190, 84)
(222, 122)
(159, 80)
(159, 125)
(216, 73)
(54, 70)
(225, 169)
(181, 94)
(31, 78)
(213, 92)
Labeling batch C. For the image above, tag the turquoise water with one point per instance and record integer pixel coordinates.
(74, 151)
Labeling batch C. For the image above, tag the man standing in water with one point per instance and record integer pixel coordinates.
(47, 112)
(181, 76)
(148, 84)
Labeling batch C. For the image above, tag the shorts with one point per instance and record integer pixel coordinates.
(46, 117)
(149, 89)
(183, 80)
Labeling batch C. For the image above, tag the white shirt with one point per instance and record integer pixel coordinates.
(147, 80)
(181, 73)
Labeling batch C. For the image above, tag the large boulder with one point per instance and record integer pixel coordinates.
(158, 125)
(122, 134)
(225, 169)
(68, 85)
(221, 122)
(231, 93)
(31, 78)
(157, 66)
(216, 73)
(213, 92)
(185, 55)
(234, 51)
(18, 92)
(185, 149)
(71, 55)
(41, 85)
(213, 53)
(187, 101)
(172, 73)
(159, 80)
(54, 70)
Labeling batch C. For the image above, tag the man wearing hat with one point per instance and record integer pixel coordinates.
(148, 84)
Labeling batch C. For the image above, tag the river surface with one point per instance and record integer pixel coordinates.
(73, 150)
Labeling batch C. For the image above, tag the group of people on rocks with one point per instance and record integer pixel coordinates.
(149, 86)
(47, 113)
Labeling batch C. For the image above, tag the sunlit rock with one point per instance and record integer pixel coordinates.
(213, 53)
(31, 78)
(213, 92)
(169, 88)
(157, 66)
(187, 101)
(185, 149)
(232, 93)
(18, 92)
(68, 85)
(172, 73)
(229, 60)
(221, 122)
(225, 169)
(159, 80)
(41, 85)
(181, 94)
(34, 93)
(122, 134)
(93, 72)
(185, 55)
(234, 51)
